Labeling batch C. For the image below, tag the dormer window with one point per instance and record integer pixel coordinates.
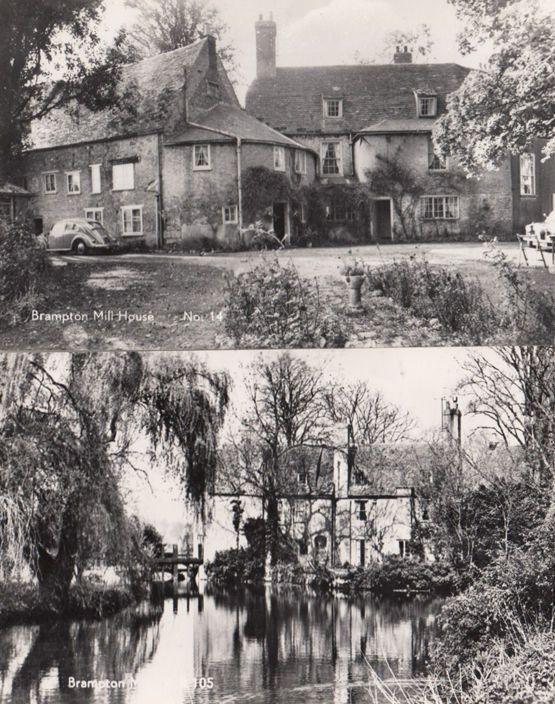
(333, 107)
(213, 89)
(427, 105)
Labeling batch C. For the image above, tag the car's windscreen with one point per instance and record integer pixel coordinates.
(98, 229)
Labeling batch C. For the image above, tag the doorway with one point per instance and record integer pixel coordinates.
(38, 226)
(382, 220)
(279, 212)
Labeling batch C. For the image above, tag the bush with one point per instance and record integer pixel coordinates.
(232, 567)
(433, 292)
(24, 267)
(398, 574)
(272, 306)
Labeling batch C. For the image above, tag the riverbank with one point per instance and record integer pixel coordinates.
(23, 603)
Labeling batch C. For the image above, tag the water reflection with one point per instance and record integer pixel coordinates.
(255, 646)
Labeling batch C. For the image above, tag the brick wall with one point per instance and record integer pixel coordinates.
(52, 207)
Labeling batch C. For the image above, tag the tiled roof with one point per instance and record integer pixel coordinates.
(386, 468)
(400, 126)
(154, 77)
(9, 189)
(228, 120)
(292, 101)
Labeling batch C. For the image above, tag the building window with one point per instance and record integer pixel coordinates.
(230, 215)
(123, 176)
(333, 107)
(440, 207)
(320, 542)
(527, 174)
(361, 510)
(50, 185)
(73, 179)
(96, 214)
(300, 162)
(95, 178)
(303, 546)
(427, 106)
(340, 213)
(132, 217)
(331, 159)
(201, 157)
(404, 548)
(435, 162)
(279, 158)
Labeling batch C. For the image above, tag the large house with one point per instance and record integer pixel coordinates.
(363, 118)
(167, 162)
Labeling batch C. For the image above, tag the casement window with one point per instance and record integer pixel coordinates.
(331, 159)
(50, 185)
(427, 105)
(230, 215)
(132, 220)
(123, 176)
(435, 162)
(73, 182)
(333, 107)
(279, 158)
(96, 186)
(201, 157)
(439, 207)
(300, 162)
(527, 174)
(96, 214)
(340, 213)
(361, 510)
(404, 548)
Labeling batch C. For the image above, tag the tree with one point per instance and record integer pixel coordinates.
(165, 25)
(67, 434)
(418, 41)
(506, 107)
(50, 55)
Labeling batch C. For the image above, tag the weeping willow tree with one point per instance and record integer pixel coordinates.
(70, 426)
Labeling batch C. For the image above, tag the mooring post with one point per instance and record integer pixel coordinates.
(175, 568)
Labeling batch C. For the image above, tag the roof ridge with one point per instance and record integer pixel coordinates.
(167, 53)
(361, 66)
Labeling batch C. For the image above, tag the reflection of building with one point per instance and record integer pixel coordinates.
(342, 506)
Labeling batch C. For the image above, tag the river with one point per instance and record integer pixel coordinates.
(265, 647)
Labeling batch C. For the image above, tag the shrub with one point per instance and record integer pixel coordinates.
(24, 268)
(272, 306)
(235, 567)
(398, 574)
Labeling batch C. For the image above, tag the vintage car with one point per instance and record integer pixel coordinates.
(541, 234)
(81, 236)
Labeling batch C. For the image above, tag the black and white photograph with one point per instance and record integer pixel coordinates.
(176, 174)
(278, 526)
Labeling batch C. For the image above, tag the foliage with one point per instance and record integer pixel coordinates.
(272, 306)
(256, 236)
(319, 198)
(261, 188)
(354, 268)
(418, 41)
(394, 574)
(165, 25)
(24, 269)
(505, 108)
(458, 303)
(236, 566)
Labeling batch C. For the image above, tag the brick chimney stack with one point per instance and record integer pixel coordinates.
(402, 57)
(266, 31)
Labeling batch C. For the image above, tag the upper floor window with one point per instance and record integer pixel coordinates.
(333, 107)
(123, 176)
(279, 158)
(50, 185)
(95, 178)
(427, 105)
(440, 207)
(73, 180)
(361, 510)
(527, 174)
(337, 212)
(435, 162)
(300, 162)
(331, 159)
(201, 157)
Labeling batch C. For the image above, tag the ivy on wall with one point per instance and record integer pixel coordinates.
(261, 189)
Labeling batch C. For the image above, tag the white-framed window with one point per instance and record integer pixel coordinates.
(96, 185)
(527, 174)
(201, 157)
(440, 207)
(300, 161)
(336, 212)
(230, 215)
(96, 214)
(427, 105)
(279, 158)
(132, 220)
(333, 107)
(331, 159)
(123, 176)
(73, 182)
(361, 510)
(50, 184)
(404, 548)
(435, 162)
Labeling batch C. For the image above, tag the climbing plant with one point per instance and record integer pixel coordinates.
(261, 189)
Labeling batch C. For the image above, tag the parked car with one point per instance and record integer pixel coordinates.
(541, 234)
(81, 236)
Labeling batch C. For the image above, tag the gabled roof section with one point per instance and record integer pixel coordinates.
(9, 189)
(404, 126)
(224, 122)
(292, 102)
(158, 82)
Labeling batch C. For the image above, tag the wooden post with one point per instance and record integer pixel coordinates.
(175, 569)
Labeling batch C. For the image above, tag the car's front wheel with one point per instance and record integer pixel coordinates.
(79, 247)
